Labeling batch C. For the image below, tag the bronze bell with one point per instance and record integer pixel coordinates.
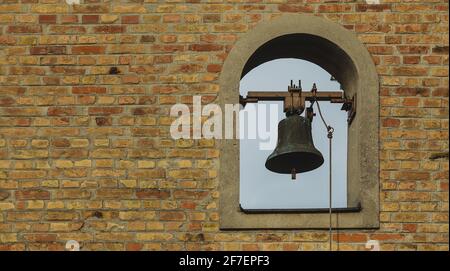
(295, 151)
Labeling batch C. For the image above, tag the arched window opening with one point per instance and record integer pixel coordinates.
(340, 53)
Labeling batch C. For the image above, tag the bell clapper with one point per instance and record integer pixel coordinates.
(293, 174)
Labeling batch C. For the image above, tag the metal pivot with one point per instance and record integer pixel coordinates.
(294, 103)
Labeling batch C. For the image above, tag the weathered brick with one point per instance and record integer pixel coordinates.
(90, 19)
(294, 8)
(410, 71)
(110, 29)
(32, 194)
(69, 19)
(47, 19)
(61, 111)
(205, 47)
(24, 29)
(373, 7)
(172, 216)
(88, 90)
(110, 193)
(130, 19)
(88, 49)
(105, 110)
(152, 194)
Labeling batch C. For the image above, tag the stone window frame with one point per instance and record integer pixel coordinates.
(340, 53)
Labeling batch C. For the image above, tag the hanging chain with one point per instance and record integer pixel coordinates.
(330, 131)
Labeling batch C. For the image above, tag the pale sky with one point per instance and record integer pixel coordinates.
(263, 189)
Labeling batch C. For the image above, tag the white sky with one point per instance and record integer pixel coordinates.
(263, 189)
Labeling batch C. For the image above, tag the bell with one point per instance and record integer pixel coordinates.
(295, 151)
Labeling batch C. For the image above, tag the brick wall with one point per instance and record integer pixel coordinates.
(85, 94)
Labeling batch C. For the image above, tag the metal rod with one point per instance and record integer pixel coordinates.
(330, 136)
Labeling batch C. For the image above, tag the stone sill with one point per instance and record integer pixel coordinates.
(356, 209)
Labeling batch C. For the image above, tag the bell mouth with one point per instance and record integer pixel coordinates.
(301, 161)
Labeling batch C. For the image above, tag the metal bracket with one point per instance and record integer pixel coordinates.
(348, 105)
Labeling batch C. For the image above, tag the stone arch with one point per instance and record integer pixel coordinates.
(339, 52)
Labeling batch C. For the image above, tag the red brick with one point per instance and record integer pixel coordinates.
(109, 29)
(8, 40)
(135, 246)
(406, 91)
(88, 50)
(411, 59)
(188, 205)
(440, 50)
(171, 18)
(144, 110)
(152, 194)
(215, 68)
(432, 59)
(23, 29)
(90, 19)
(69, 19)
(61, 111)
(105, 110)
(47, 19)
(130, 19)
(373, 7)
(205, 47)
(410, 71)
(6, 101)
(409, 227)
(295, 8)
(391, 122)
(40, 237)
(411, 28)
(48, 50)
(102, 121)
(440, 92)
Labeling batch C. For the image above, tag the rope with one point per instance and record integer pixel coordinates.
(330, 131)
